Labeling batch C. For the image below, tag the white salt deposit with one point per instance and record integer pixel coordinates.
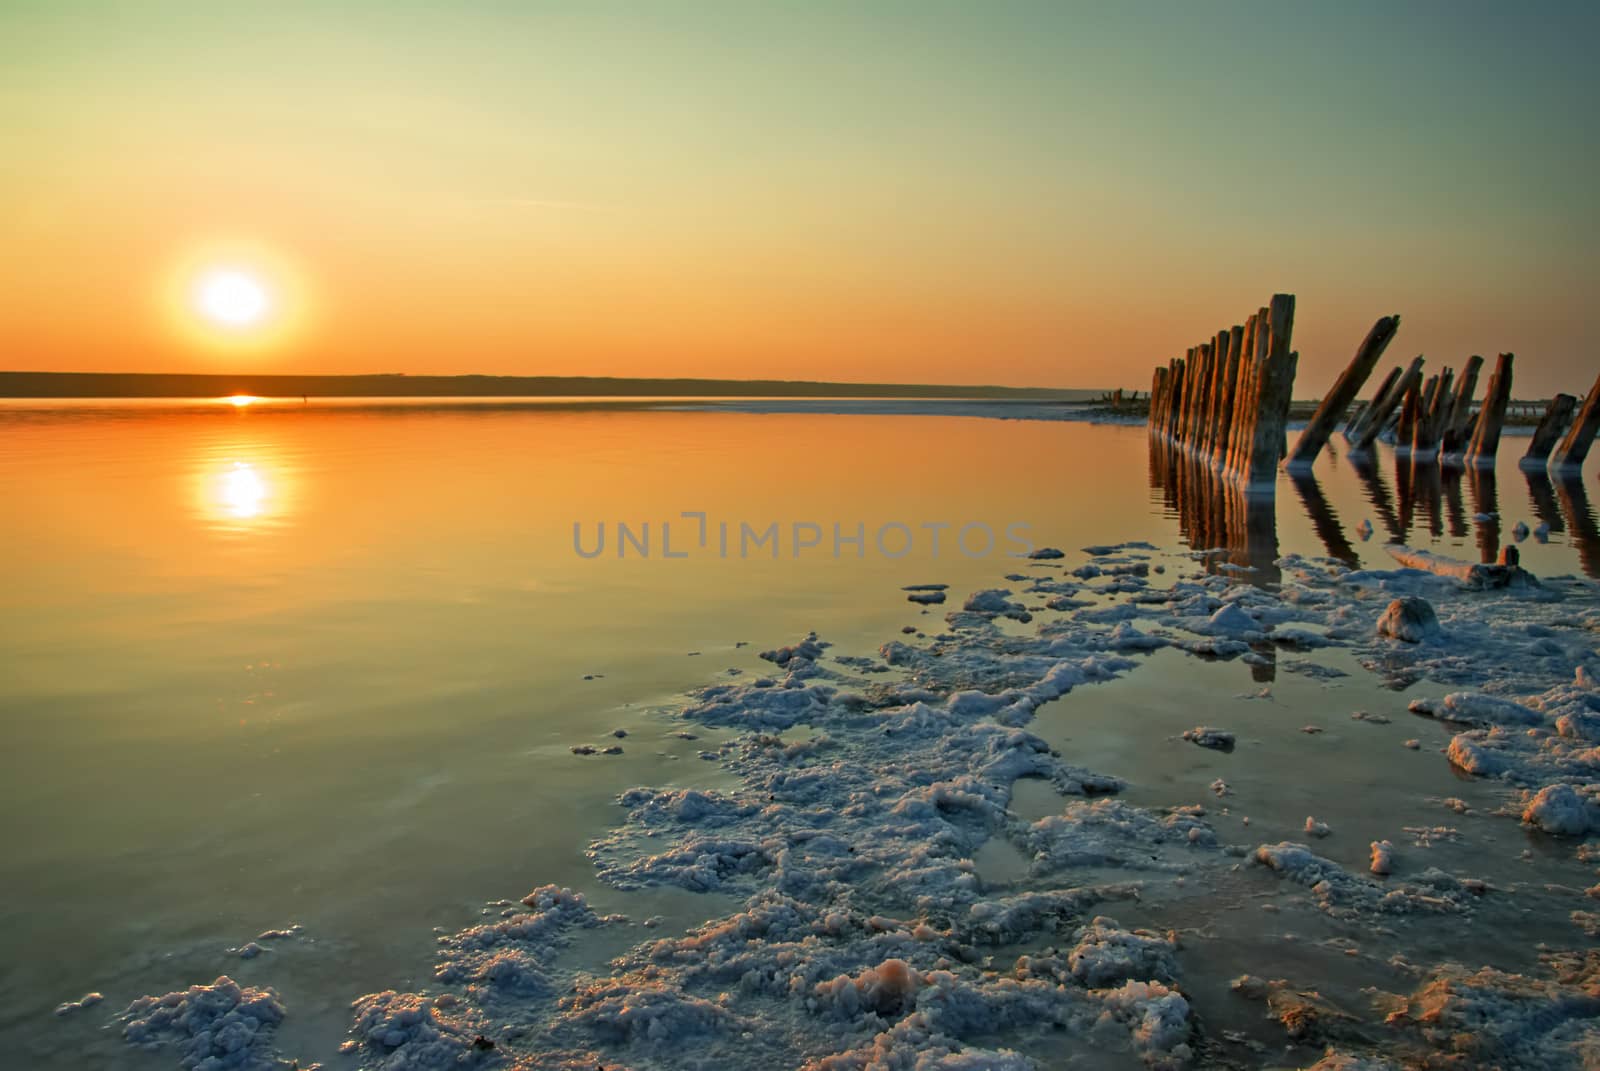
(853, 804)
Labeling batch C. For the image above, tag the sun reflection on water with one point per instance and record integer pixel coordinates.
(243, 492)
(240, 491)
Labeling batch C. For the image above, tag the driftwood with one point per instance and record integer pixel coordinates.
(1478, 576)
(1492, 417)
(1575, 447)
(1343, 392)
(1548, 433)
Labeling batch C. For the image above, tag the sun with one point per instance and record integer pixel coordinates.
(232, 298)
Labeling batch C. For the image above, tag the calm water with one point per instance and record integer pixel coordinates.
(324, 666)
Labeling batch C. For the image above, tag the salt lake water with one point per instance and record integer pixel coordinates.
(324, 665)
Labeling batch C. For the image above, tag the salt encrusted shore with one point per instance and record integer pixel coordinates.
(868, 938)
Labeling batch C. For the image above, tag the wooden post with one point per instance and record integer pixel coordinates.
(1383, 408)
(1228, 384)
(1458, 428)
(1548, 433)
(1199, 397)
(1180, 388)
(1575, 447)
(1244, 405)
(1208, 418)
(1191, 385)
(1410, 413)
(1430, 425)
(1343, 392)
(1486, 437)
(1378, 395)
(1275, 386)
(1157, 380)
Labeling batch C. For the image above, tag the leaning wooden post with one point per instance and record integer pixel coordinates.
(1486, 437)
(1410, 412)
(1430, 425)
(1378, 396)
(1275, 387)
(1575, 447)
(1458, 428)
(1339, 397)
(1382, 409)
(1548, 433)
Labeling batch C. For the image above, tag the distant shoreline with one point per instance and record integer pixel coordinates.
(183, 385)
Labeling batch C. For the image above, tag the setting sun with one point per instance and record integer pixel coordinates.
(232, 298)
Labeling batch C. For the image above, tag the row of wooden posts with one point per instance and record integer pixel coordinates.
(1226, 401)
(1228, 398)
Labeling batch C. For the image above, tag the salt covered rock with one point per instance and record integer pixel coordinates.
(1108, 955)
(1563, 811)
(1315, 828)
(1231, 620)
(1410, 619)
(1382, 857)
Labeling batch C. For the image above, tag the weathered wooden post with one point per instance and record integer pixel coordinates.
(1191, 388)
(1382, 409)
(1176, 404)
(1244, 406)
(1575, 447)
(1410, 413)
(1275, 386)
(1458, 427)
(1338, 399)
(1548, 433)
(1360, 418)
(1486, 437)
(1157, 382)
(1228, 385)
(1425, 439)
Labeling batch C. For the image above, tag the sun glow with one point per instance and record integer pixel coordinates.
(236, 297)
(232, 298)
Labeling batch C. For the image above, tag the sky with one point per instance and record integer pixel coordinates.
(1041, 194)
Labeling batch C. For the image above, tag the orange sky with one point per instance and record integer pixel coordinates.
(1029, 195)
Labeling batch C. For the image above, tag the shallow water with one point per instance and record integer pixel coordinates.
(325, 665)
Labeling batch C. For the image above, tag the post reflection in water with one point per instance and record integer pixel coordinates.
(1583, 531)
(1378, 494)
(1542, 497)
(1486, 507)
(1215, 515)
(1451, 479)
(1427, 487)
(1324, 520)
